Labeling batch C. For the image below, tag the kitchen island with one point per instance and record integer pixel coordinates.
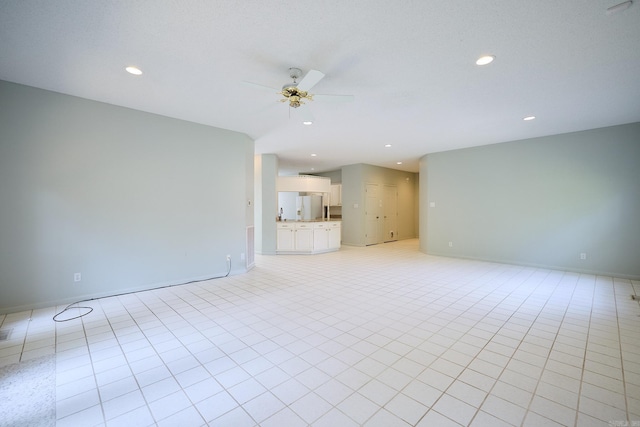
(307, 237)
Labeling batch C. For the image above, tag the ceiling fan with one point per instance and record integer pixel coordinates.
(296, 93)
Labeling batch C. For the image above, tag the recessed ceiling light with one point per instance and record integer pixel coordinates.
(484, 60)
(308, 123)
(387, 145)
(398, 163)
(134, 70)
(528, 118)
(313, 155)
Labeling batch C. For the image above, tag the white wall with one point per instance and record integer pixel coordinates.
(540, 201)
(129, 199)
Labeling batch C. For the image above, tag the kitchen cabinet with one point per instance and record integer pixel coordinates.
(335, 197)
(326, 236)
(308, 237)
(335, 235)
(320, 237)
(285, 237)
(304, 237)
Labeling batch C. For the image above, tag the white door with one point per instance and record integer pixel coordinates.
(390, 209)
(372, 214)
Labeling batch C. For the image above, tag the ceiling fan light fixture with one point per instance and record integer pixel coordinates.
(294, 101)
(294, 95)
(485, 60)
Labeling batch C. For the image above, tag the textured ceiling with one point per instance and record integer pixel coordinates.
(409, 64)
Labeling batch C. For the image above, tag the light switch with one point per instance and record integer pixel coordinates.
(432, 204)
(355, 206)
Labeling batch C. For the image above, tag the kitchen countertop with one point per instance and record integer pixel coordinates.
(313, 220)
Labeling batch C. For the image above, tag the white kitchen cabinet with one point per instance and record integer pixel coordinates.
(308, 237)
(335, 234)
(335, 197)
(304, 237)
(326, 236)
(285, 237)
(320, 237)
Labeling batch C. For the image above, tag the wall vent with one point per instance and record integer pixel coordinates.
(251, 249)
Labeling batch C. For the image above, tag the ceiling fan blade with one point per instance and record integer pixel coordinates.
(310, 80)
(334, 98)
(262, 87)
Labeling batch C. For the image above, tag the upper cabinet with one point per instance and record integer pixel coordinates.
(303, 184)
(335, 197)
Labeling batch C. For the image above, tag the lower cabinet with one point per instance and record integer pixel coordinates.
(308, 237)
(304, 237)
(285, 237)
(326, 236)
(320, 237)
(335, 235)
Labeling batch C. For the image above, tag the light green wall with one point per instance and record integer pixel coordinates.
(129, 199)
(354, 181)
(539, 202)
(353, 221)
(335, 176)
(266, 174)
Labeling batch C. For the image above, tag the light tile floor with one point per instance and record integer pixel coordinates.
(376, 336)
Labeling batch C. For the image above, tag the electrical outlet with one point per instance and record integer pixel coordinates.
(450, 244)
(77, 277)
(583, 255)
(228, 257)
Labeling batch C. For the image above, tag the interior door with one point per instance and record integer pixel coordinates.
(372, 214)
(390, 215)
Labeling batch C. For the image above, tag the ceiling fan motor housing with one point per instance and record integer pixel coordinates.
(295, 73)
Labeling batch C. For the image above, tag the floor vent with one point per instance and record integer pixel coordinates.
(4, 334)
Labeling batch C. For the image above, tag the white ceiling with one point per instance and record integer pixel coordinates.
(410, 65)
